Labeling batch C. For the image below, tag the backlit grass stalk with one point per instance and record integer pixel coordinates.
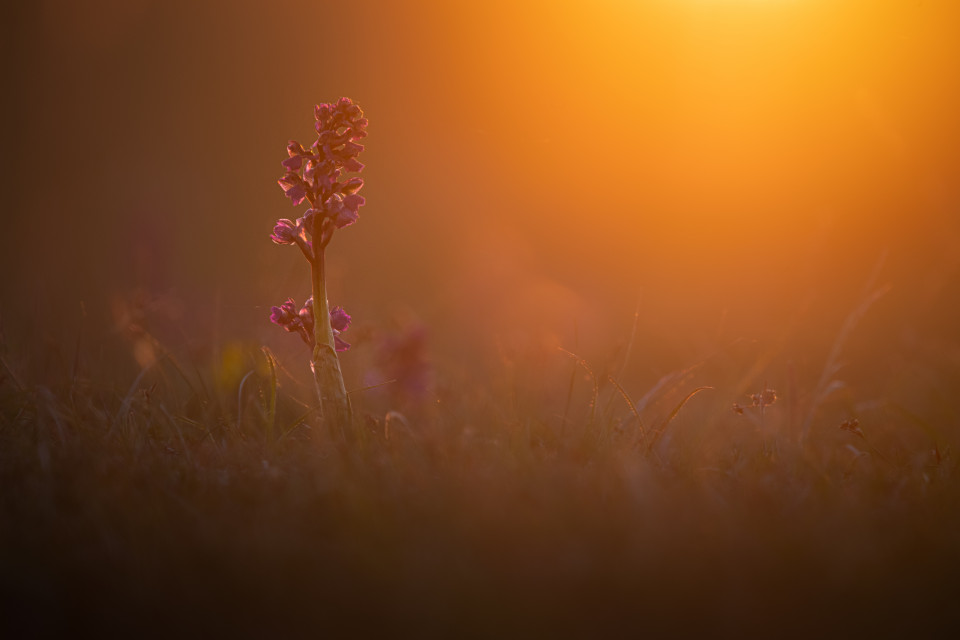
(827, 383)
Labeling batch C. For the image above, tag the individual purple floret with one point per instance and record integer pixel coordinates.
(294, 187)
(286, 231)
(287, 317)
(339, 320)
(284, 315)
(343, 209)
(293, 163)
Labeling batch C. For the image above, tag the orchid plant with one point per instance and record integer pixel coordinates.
(315, 175)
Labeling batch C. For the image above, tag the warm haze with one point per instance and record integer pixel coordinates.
(578, 213)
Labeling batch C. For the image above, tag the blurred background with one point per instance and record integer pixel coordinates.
(734, 170)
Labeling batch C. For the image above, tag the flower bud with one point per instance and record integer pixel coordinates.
(322, 111)
(294, 148)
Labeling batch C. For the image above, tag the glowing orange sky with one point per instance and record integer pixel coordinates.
(765, 146)
(751, 112)
(534, 160)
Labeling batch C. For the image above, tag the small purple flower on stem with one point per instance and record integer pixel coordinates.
(352, 164)
(294, 148)
(343, 209)
(284, 315)
(292, 163)
(339, 321)
(287, 317)
(293, 186)
(286, 231)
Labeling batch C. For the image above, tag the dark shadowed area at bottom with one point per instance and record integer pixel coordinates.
(411, 538)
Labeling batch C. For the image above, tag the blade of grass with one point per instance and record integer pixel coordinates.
(630, 404)
(596, 386)
(13, 376)
(373, 386)
(826, 384)
(658, 433)
(271, 400)
(296, 423)
(566, 406)
(128, 399)
(243, 382)
(677, 377)
(179, 432)
(633, 335)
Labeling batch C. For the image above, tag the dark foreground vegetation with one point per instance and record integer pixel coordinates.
(179, 505)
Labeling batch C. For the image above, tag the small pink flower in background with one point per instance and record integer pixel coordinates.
(402, 356)
(763, 399)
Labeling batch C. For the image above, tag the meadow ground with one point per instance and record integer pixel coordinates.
(542, 500)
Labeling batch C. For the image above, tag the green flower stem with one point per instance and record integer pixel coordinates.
(334, 402)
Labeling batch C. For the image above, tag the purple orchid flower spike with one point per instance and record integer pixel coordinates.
(315, 175)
